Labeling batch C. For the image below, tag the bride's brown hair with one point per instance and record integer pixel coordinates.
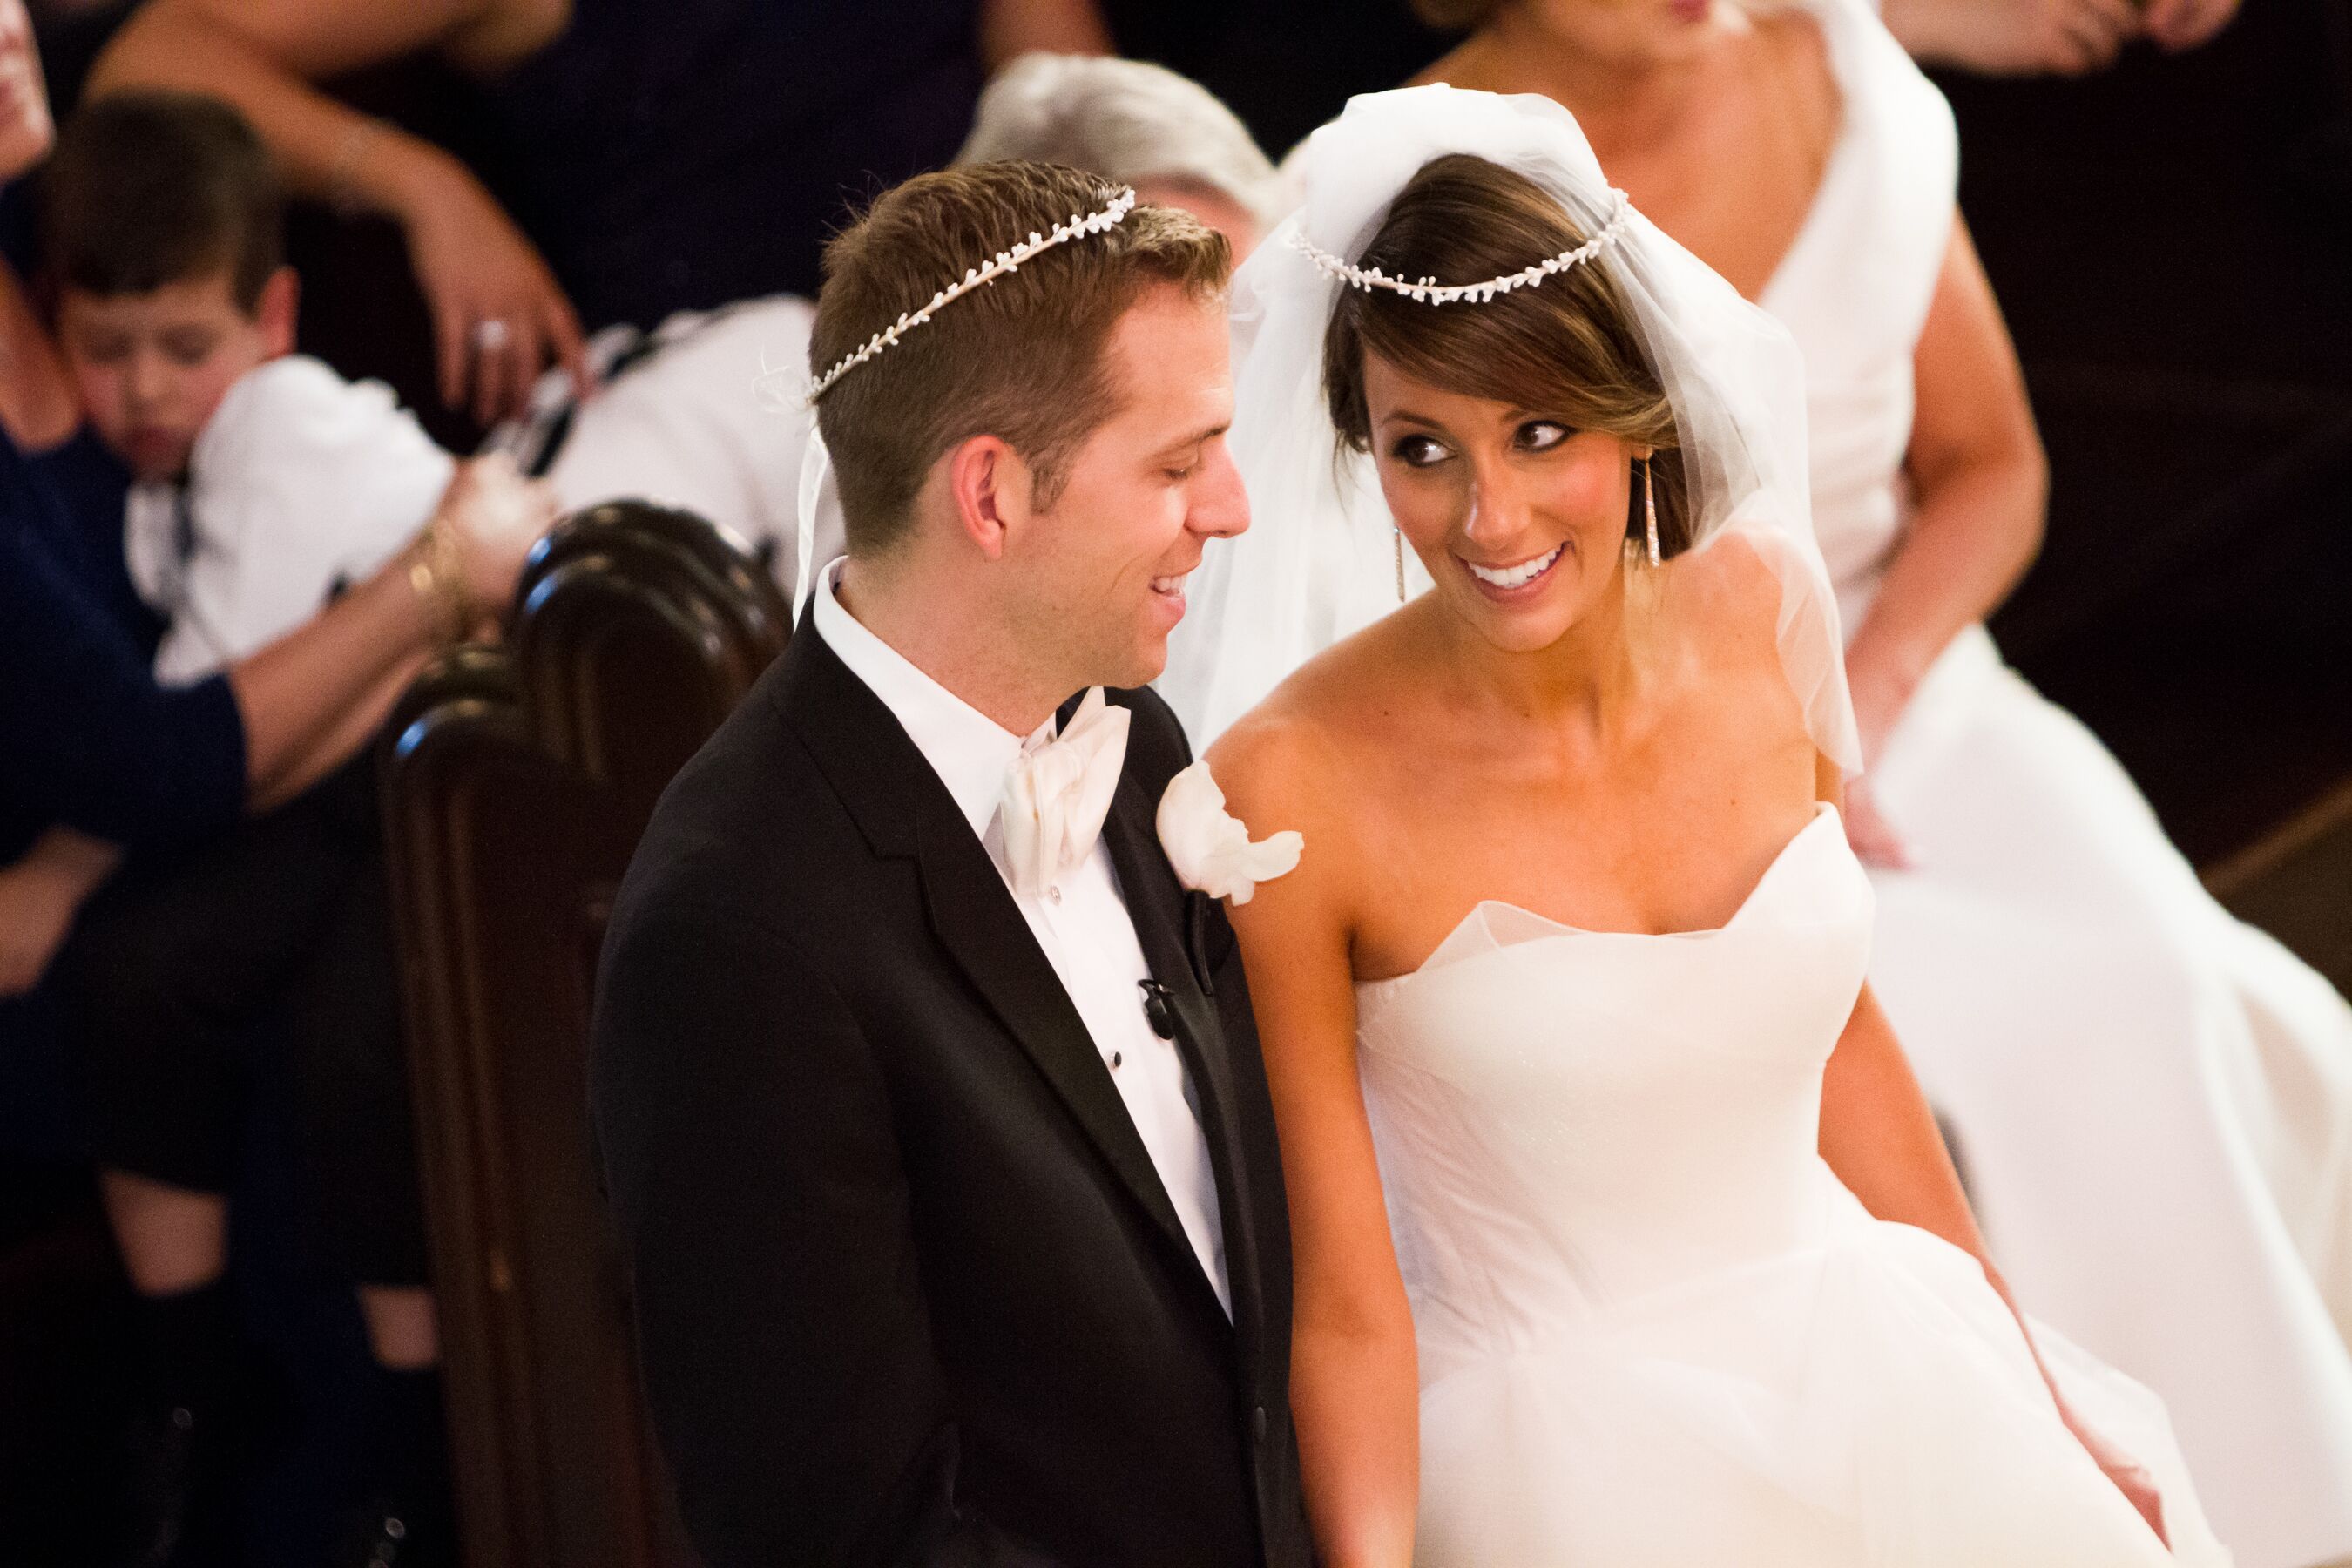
(1571, 348)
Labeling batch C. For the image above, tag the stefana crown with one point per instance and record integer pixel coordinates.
(1080, 225)
(1429, 291)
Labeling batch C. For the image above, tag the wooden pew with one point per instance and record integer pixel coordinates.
(516, 782)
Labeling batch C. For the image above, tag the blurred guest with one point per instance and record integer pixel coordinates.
(212, 926)
(2106, 1038)
(1139, 124)
(663, 157)
(2058, 37)
(676, 418)
(264, 479)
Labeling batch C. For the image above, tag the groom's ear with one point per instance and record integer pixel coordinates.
(991, 490)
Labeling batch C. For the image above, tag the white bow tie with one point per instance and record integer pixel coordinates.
(1057, 793)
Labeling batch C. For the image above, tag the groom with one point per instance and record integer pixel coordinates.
(934, 1124)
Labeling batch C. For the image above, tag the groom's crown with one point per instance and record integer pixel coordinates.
(1079, 225)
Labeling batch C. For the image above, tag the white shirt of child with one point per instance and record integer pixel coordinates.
(299, 481)
(1081, 922)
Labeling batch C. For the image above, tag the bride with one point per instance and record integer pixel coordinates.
(1623, 1235)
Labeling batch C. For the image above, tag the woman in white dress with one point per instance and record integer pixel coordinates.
(2153, 1102)
(1586, 1109)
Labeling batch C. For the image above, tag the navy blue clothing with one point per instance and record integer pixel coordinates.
(681, 156)
(90, 740)
(92, 486)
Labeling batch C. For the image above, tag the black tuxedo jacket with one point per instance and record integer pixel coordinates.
(907, 1287)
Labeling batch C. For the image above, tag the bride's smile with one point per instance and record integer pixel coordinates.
(1512, 579)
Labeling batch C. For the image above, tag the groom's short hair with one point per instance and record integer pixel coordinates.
(1021, 359)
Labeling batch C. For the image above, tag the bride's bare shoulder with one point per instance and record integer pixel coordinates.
(1729, 594)
(1294, 752)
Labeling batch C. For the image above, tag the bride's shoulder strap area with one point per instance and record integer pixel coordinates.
(1770, 589)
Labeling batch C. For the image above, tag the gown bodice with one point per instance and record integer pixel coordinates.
(1652, 1327)
(1568, 1119)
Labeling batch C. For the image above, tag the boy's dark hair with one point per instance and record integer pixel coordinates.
(151, 188)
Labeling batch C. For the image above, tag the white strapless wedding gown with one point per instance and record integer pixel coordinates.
(1654, 1329)
(2153, 1101)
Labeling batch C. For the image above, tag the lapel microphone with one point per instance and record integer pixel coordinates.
(1156, 1011)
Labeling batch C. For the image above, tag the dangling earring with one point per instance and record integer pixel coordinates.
(1398, 534)
(1650, 510)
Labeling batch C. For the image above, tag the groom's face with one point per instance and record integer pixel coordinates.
(1105, 566)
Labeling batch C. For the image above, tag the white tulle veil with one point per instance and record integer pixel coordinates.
(1318, 562)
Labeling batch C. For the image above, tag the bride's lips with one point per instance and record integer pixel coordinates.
(1512, 580)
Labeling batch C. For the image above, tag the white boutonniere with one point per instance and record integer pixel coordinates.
(1210, 847)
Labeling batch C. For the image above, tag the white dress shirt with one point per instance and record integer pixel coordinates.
(298, 480)
(1081, 922)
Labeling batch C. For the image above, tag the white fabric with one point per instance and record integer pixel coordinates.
(1318, 562)
(2153, 1102)
(686, 427)
(1655, 1330)
(299, 479)
(1057, 791)
(1080, 921)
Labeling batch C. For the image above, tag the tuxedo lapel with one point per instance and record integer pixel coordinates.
(905, 811)
(1159, 907)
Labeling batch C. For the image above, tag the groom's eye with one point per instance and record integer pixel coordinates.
(1418, 451)
(1541, 435)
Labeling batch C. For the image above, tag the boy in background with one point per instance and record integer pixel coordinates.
(264, 481)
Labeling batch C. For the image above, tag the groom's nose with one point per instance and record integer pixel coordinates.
(1220, 503)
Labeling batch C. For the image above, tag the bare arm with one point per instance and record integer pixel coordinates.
(1979, 482)
(1010, 28)
(1880, 1138)
(37, 398)
(39, 896)
(313, 697)
(261, 56)
(1354, 1379)
(2016, 38)
(472, 262)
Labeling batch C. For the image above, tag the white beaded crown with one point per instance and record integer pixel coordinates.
(1079, 225)
(1429, 291)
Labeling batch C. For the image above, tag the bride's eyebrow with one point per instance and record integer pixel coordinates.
(1407, 416)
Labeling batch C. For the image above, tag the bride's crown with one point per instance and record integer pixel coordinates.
(1429, 291)
(1080, 225)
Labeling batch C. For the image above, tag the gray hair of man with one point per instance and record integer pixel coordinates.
(1131, 123)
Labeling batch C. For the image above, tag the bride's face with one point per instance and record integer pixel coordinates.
(1518, 517)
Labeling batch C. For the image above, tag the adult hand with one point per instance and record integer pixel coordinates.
(1874, 840)
(26, 130)
(2178, 25)
(2131, 1477)
(493, 516)
(2020, 37)
(499, 317)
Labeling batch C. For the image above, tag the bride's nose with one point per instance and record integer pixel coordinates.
(1498, 508)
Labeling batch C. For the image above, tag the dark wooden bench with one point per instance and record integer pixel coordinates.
(516, 783)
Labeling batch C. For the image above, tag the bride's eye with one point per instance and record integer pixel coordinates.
(1419, 451)
(1541, 435)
